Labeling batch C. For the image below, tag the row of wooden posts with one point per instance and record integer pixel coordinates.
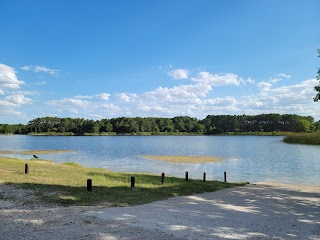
(133, 180)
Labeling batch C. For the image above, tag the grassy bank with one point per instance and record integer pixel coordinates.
(65, 184)
(303, 138)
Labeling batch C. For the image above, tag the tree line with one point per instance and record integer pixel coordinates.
(212, 124)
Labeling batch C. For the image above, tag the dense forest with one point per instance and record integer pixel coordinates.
(212, 124)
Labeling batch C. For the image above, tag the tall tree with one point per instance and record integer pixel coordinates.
(317, 88)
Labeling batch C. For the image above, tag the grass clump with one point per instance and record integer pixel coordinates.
(65, 184)
(185, 159)
(72, 164)
(303, 138)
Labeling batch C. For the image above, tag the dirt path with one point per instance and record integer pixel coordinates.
(261, 211)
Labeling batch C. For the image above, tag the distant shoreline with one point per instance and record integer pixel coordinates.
(289, 137)
(158, 134)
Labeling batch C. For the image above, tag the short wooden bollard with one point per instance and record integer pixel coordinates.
(225, 177)
(204, 176)
(133, 180)
(89, 185)
(162, 178)
(187, 176)
(26, 168)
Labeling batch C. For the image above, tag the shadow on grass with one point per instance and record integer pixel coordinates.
(115, 190)
(140, 178)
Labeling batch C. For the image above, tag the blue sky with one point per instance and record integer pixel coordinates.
(104, 59)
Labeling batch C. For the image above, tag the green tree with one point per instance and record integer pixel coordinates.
(6, 129)
(303, 126)
(289, 122)
(199, 128)
(165, 124)
(106, 126)
(317, 126)
(154, 127)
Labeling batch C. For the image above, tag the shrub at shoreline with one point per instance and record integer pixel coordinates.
(303, 138)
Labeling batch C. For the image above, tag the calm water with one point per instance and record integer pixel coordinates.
(247, 158)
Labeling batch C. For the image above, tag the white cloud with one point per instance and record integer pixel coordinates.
(46, 70)
(83, 97)
(26, 68)
(11, 99)
(250, 80)
(37, 69)
(103, 96)
(123, 97)
(87, 108)
(178, 74)
(294, 99)
(73, 110)
(197, 99)
(224, 79)
(8, 78)
(9, 113)
(69, 102)
(7, 104)
(126, 97)
(190, 91)
(283, 75)
(18, 99)
(193, 100)
(111, 107)
(155, 110)
(190, 99)
(275, 80)
(303, 90)
(191, 95)
(30, 93)
(265, 86)
(220, 101)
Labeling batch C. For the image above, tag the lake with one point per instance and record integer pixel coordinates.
(246, 158)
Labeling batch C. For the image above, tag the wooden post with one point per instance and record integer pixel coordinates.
(225, 177)
(204, 176)
(89, 185)
(162, 178)
(133, 182)
(186, 176)
(26, 168)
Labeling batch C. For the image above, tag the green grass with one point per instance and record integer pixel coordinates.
(65, 184)
(303, 138)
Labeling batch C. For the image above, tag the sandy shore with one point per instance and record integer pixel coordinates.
(255, 211)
